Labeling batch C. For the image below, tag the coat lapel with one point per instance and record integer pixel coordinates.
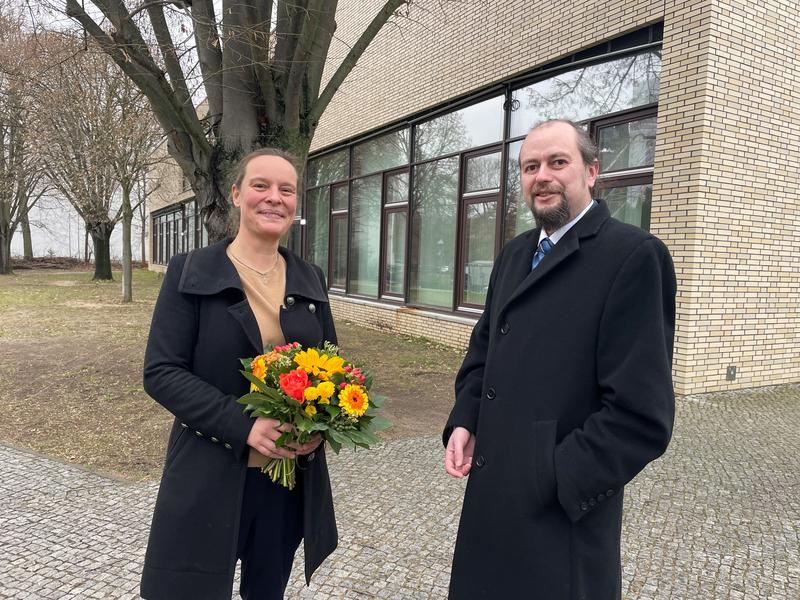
(588, 226)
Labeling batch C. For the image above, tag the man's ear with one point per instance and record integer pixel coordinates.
(592, 171)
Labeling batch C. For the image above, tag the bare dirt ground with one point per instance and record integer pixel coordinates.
(70, 372)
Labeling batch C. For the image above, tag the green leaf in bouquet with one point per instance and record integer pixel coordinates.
(378, 423)
(360, 438)
(376, 400)
(255, 399)
(332, 410)
(255, 380)
(283, 439)
(318, 426)
(342, 438)
(367, 380)
(335, 446)
(246, 362)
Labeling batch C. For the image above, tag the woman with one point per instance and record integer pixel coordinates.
(218, 304)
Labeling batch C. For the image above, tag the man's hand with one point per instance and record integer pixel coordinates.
(458, 455)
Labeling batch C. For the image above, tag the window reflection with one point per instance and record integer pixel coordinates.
(589, 92)
(318, 211)
(470, 127)
(630, 204)
(482, 173)
(381, 154)
(365, 213)
(329, 168)
(435, 201)
(627, 145)
(518, 215)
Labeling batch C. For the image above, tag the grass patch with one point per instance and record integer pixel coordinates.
(71, 358)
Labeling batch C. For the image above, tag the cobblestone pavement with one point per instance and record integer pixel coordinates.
(718, 517)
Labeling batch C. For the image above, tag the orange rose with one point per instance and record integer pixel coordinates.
(294, 384)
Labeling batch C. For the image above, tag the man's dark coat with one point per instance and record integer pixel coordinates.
(202, 325)
(567, 387)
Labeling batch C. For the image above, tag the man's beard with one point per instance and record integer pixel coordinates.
(552, 218)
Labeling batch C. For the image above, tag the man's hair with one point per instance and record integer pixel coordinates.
(241, 166)
(586, 146)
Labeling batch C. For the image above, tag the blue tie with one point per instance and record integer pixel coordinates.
(544, 247)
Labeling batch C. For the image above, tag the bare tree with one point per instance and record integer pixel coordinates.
(132, 155)
(20, 167)
(98, 137)
(260, 69)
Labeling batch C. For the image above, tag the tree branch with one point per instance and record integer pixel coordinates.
(352, 57)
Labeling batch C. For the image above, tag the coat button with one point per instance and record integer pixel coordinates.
(289, 300)
(491, 394)
(601, 497)
(480, 461)
(584, 506)
(228, 446)
(198, 434)
(311, 307)
(184, 425)
(311, 456)
(592, 502)
(609, 493)
(504, 329)
(215, 440)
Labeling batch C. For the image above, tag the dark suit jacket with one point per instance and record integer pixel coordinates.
(567, 387)
(202, 325)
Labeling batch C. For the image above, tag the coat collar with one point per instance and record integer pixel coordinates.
(208, 271)
(521, 257)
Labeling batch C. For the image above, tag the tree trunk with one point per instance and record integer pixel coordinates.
(101, 239)
(86, 244)
(25, 226)
(5, 254)
(127, 270)
(143, 239)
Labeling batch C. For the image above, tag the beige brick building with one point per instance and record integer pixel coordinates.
(695, 106)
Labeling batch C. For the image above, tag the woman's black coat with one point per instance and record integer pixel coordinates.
(202, 325)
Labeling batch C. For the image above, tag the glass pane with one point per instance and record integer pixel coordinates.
(396, 188)
(381, 154)
(189, 229)
(518, 216)
(365, 211)
(339, 251)
(393, 276)
(479, 232)
(329, 168)
(476, 125)
(627, 145)
(340, 197)
(483, 173)
(433, 220)
(630, 204)
(292, 238)
(589, 92)
(318, 209)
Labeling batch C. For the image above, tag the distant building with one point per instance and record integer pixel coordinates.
(413, 186)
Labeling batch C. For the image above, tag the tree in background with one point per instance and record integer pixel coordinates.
(21, 174)
(95, 135)
(260, 68)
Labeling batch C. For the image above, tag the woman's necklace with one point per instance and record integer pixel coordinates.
(264, 275)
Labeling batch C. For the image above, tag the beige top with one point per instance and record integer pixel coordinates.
(264, 292)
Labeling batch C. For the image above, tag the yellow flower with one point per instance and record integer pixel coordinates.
(353, 400)
(259, 367)
(311, 410)
(311, 393)
(308, 360)
(326, 389)
(332, 365)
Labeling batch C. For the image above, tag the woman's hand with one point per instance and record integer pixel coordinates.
(263, 435)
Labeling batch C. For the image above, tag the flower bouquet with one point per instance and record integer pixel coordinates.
(315, 391)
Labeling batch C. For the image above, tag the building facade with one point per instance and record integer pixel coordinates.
(412, 186)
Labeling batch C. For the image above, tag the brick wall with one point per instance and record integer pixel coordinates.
(446, 49)
(726, 196)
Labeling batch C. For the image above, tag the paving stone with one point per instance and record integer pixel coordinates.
(718, 516)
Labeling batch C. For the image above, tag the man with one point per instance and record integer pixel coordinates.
(565, 393)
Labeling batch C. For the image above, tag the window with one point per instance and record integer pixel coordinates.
(418, 214)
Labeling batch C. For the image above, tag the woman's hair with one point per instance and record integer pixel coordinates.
(241, 166)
